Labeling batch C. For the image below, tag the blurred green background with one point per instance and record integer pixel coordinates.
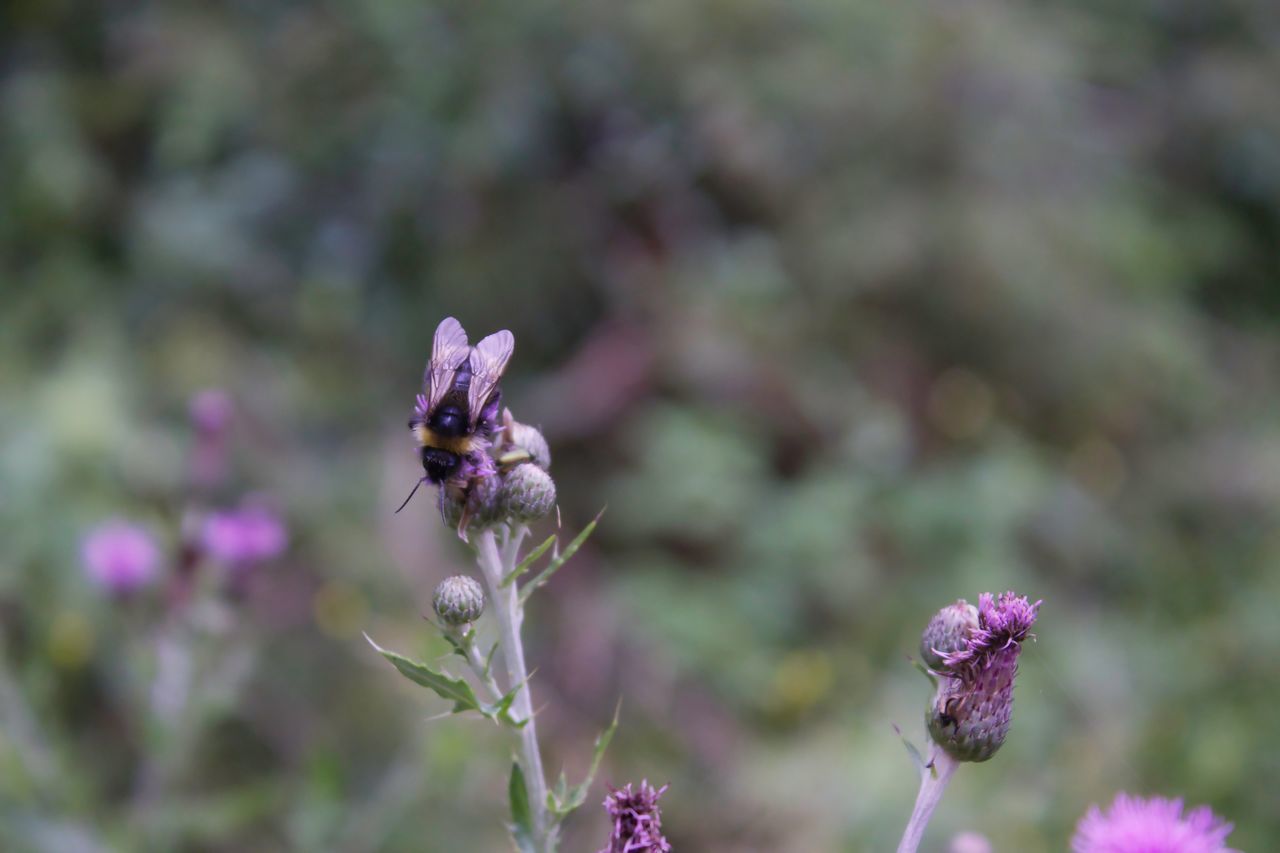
(845, 309)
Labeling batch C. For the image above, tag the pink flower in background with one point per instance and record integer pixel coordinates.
(120, 557)
(243, 537)
(211, 411)
(970, 842)
(1157, 825)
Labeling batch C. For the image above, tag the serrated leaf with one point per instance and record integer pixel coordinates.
(559, 560)
(456, 690)
(527, 562)
(521, 815)
(566, 799)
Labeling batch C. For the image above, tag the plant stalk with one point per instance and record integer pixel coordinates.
(509, 615)
(933, 782)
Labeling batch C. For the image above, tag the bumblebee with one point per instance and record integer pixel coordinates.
(456, 415)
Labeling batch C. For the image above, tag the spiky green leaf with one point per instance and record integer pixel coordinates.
(564, 799)
(916, 758)
(455, 690)
(521, 814)
(528, 561)
(559, 560)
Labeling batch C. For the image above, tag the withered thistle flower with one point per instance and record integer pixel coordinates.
(970, 715)
(637, 820)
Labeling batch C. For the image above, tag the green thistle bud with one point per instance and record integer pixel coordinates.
(528, 493)
(947, 633)
(520, 437)
(458, 601)
(971, 721)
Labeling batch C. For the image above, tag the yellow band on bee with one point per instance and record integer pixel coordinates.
(456, 444)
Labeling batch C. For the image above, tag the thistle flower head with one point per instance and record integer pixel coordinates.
(970, 715)
(1156, 825)
(637, 820)
(120, 557)
(458, 601)
(1003, 624)
(528, 493)
(480, 497)
(244, 537)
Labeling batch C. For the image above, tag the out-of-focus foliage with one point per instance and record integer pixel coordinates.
(845, 309)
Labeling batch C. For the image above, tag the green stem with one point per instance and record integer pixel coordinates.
(933, 782)
(509, 615)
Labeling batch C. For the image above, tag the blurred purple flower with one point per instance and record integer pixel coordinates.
(120, 557)
(1157, 825)
(243, 537)
(970, 842)
(637, 820)
(211, 411)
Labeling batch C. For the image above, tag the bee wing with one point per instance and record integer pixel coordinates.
(488, 361)
(448, 351)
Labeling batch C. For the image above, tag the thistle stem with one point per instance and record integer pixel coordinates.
(509, 614)
(933, 781)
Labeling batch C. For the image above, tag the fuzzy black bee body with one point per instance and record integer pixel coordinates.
(457, 412)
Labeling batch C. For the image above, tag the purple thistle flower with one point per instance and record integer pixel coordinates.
(637, 820)
(971, 713)
(120, 557)
(1157, 825)
(244, 537)
(1003, 625)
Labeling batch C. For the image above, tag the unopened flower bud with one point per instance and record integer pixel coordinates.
(458, 600)
(947, 633)
(529, 439)
(528, 493)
